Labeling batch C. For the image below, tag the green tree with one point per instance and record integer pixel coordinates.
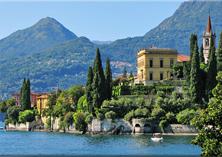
(124, 73)
(212, 69)
(26, 116)
(97, 94)
(79, 121)
(89, 88)
(201, 55)
(193, 38)
(98, 82)
(186, 71)
(13, 114)
(185, 116)
(82, 104)
(110, 115)
(195, 73)
(108, 77)
(25, 95)
(209, 124)
(68, 119)
(4, 105)
(219, 54)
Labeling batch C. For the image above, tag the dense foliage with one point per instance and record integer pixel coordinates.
(209, 123)
(25, 95)
(26, 116)
(212, 69)
(195, 71)
(219, 54)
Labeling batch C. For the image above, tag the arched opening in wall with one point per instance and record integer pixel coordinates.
(147, 128)
(137, 128)
(120, 130)
(137, 125)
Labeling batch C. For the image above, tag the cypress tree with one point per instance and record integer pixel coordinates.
(124, 73)
(22, 94)
(25, 95)
(201, 54)
(219, 54)
(97, 95)
(193, 38)
(212, 69)
(28, 99)
(108, 77)
(89, 89)
(98, 81)
(195, 74)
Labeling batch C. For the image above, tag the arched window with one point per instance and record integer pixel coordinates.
(207, 43)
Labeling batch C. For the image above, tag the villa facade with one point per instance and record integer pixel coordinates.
(155, 64)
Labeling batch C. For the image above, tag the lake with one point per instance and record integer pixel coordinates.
(36, 143)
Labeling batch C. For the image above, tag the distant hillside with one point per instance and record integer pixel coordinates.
(66, 62)
(101, 42)
(44, 34)
(173, 32)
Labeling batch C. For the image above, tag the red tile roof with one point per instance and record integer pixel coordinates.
(183, 58)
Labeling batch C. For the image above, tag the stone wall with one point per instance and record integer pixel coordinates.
(116, 126)
(179, 128)
(21, 126)
(138, 126)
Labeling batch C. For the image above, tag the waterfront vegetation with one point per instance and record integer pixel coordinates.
(195, 98)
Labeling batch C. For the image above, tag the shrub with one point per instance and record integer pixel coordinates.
(6, 104)
(110, 115)
(26, 116)
(185, 116)
(89, 118)
(82, 104)
(140, 89)
(99, 115)
(163, 124)
(68, 119)
(158, 113)
(141, 113)
(13, 113)
(79, 121)
(170, 117)
(129, 116)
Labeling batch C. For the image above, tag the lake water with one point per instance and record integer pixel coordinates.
(36, 143)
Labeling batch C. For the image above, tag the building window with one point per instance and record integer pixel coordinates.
(161, 63)
(171, 75)
(151, 76)
(207, 43)
(161, 75)
(171, 62)
(151, 63)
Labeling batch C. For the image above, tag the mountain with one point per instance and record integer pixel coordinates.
(66, 62)
(173, 32)
(101, 42)
(45, 33)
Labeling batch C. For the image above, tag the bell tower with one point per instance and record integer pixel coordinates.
(206, 39)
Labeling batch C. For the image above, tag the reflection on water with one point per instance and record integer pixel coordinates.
(70, 144)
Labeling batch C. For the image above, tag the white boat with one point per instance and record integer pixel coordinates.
(157, 137)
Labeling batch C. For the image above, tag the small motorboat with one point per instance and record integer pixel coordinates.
(157, 137)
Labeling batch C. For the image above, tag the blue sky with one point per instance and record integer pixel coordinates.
(97, 20)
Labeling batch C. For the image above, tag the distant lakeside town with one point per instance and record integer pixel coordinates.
(170, 94)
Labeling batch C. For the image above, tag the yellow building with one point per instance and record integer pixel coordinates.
(42, 102)
(155, 64)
